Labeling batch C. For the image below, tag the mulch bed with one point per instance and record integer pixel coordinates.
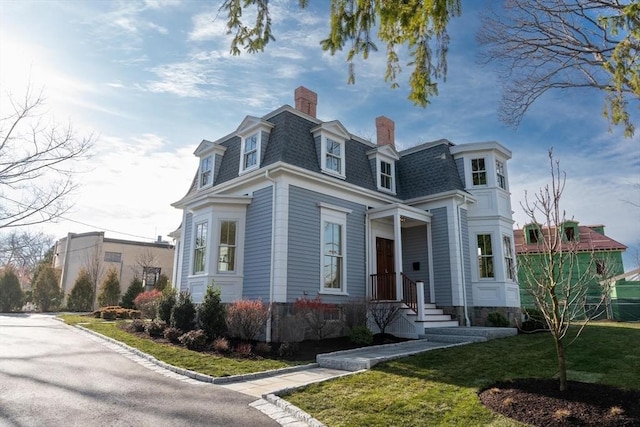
(538, 402)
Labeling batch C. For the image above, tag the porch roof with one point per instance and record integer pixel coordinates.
(407, 214)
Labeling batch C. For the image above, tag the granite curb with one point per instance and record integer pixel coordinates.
(197, 375)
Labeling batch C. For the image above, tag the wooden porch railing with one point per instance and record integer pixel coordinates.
(409, 293)
(383, 288)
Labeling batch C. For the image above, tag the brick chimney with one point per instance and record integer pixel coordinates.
(385, 129)
(306, 101)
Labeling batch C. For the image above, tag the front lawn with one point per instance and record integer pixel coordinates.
(205, 363)
(440, 387)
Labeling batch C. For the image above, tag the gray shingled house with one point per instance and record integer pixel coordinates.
(289, 206)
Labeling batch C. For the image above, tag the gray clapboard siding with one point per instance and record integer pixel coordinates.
(441, 256)
(415, 250)
(303, 270)
(187, 236)
(257, 246)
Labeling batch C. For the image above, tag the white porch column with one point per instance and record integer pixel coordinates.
(432, 287)
(397, 249)
(420, 296)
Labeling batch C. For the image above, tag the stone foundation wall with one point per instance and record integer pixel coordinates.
(478, 315)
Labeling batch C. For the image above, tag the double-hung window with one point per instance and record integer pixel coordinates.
(386, 176)
(485, 256)
(508, 258)
(333, 234)
(502, 182)
(250, 152)
(227, 247)
(200, 248)
(206, 171)
(333, 156)
(478, 172)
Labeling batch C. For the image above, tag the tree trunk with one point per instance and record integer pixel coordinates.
(562, 365)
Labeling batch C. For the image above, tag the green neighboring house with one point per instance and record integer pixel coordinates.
(598, 257)
(625, 296)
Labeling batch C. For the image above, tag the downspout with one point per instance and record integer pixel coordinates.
(273, 251)
(464, 281)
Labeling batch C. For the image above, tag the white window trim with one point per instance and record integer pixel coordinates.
(504, 257)
(493, 256)
(379, 175)
(258, 135)
(219, 245)
(206, 249)
(503, 174)
(335, 215)
(323, 154)
(485, 171)
(200, 171)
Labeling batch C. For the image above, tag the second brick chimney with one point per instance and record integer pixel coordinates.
(385, 129)
(306, 101)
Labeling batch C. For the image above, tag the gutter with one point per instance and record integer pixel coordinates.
(464, 281)
(273, 250)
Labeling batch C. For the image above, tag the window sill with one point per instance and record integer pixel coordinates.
(334, 174)
(330, 292)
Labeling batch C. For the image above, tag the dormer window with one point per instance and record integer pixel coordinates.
(533, 234)
(250, 152)
(386, 179)
(206, 171)
(478, 172)
(570, 231)
(334, 156)
(502, 182)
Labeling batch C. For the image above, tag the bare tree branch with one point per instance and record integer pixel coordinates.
(36, 164)
(543, 45)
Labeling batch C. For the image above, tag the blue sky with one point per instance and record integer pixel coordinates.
(153, 78)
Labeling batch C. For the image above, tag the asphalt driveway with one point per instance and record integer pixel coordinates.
(53, 375)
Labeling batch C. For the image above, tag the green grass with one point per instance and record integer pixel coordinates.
(439, 388)
(215, 366)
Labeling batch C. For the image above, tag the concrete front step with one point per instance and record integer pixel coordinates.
(451, 338)
(447, 324)
(486, 332)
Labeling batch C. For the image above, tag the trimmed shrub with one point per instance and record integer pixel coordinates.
(497, 319)
(110, 289)
(243, 349)
(147, 303)
(246, 319)
(138, 325)
(288, 349)
(167, 301)
(183, 314)
(47, 293)
(316, 315)
(194, 340)
(361, 335)
(11, 296)
(109, 314)
(211, 313)
(135, 288)
(156, 328)
(161, 283)
(173, 335)
(534, 321)
(221, 345)
(263, 348)
(81, 296)
(355, 313)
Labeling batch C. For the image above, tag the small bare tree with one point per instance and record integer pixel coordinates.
(35, 163)
(556, 270)
(94, 266)
(23, 250)
(383, 313)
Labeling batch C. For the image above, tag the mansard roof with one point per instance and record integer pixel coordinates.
(588, 240)
(420, 171)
